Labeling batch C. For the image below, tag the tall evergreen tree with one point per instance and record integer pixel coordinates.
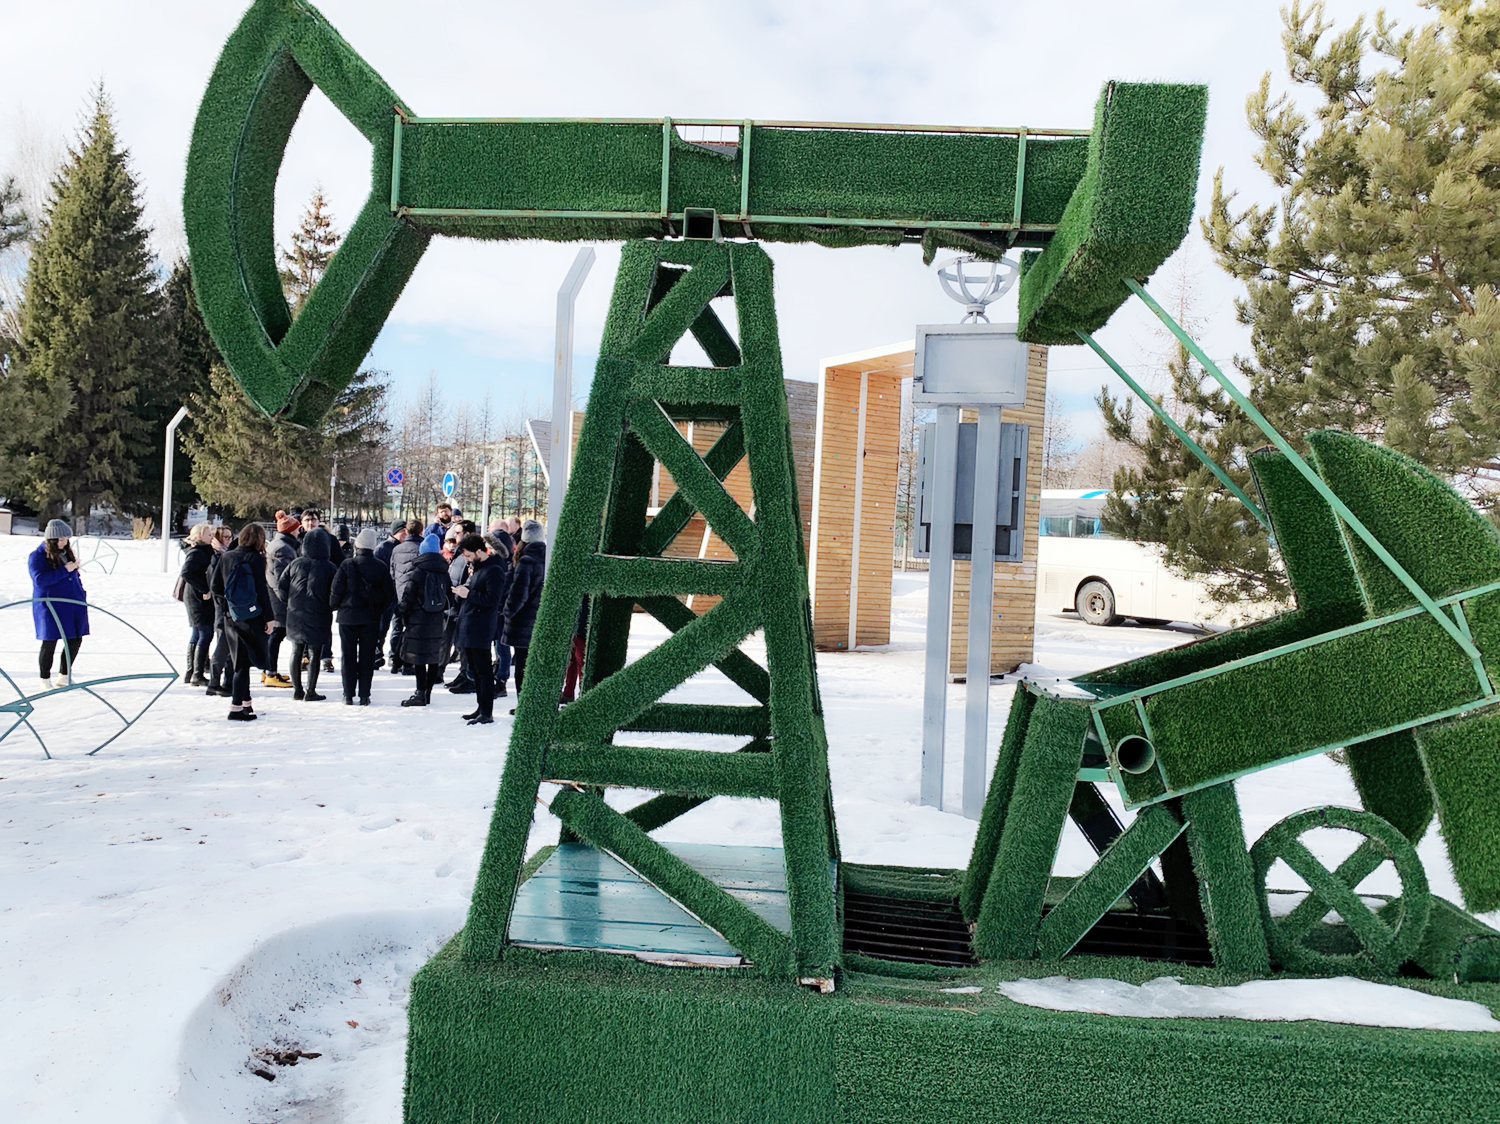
(90, 330)
(306, 259)
(1370, 284)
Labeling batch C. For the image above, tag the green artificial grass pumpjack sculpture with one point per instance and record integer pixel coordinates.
(523, 1018)
(1097, 205)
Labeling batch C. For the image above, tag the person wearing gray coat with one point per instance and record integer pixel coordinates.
(402, 564)
(281, 552)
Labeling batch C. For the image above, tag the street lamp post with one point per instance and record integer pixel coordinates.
(166, 484)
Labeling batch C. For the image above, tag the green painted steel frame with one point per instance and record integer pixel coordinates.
(25, 705)
(1182, 435)
(1423, 598)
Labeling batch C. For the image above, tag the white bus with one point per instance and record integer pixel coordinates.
(1105, 579)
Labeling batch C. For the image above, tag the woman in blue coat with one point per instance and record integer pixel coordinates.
(54, 574)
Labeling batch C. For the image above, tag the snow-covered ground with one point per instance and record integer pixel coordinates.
(200, 890)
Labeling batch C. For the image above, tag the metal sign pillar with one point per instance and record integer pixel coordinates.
(562, 390)
(939, 606)
(981, 609)
(166, 484)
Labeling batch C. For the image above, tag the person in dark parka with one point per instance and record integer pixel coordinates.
(306, 586)
(502, 546)
(422, 636)
(281, 552)
(361, 591)
(198, 599)
(530, 568)
(248, 638)
(222, 540)
(54, 574)
(478, 619)
(403, 565)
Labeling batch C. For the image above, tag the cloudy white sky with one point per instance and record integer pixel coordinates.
(481, 315)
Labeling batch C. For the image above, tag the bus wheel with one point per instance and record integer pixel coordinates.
(1096, 603)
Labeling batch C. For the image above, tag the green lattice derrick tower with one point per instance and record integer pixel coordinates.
(608, 551)
(1089, 207)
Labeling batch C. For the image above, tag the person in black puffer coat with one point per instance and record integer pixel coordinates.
(248, 638)
(305, 586)
(478, 619)
(502, 546)
(530, 568)
(423, 611)
(361, 591)
(403, 563)
(197, 555)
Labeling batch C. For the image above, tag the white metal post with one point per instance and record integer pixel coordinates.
(333, 486)
(166, 484)
(944, 479)
(562, 390)
(981, 608)
(484, 499)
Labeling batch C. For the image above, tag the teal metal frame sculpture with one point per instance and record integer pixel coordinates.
(24, 705)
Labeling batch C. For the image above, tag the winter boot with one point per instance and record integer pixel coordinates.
(312, 682)
(418, 699)
(200, 665)
(187, 674)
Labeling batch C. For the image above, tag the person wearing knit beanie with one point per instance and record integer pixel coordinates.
(286, 524)
(365, 540)
(431, 544)
(58, 608)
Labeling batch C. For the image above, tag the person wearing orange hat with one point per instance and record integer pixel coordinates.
(281, 552)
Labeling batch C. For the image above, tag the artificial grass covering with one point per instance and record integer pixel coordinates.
(1117, 200)
(569, 1037)
(1128, 214)
(1346, 688)
(608, 551)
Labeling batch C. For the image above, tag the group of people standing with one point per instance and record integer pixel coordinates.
(443, 591)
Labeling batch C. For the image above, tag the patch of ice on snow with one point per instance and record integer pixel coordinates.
(1340, 1000)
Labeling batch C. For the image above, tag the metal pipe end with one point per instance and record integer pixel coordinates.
(1135, 754)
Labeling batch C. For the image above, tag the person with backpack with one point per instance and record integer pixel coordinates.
(403, 566)
(198, 599)
(383, 554)
(361, 590)
(478, 619)
(54, 577)
(281, 552)
(305, 587)
(423, 609)
(525, 595)
(240, 584)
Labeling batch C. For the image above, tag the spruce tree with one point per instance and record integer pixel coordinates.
(1370, 284)
(14, 225)
(306, 259)
(90, 330)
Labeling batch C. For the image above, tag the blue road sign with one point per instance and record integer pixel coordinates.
(395, 478)
(450, 485)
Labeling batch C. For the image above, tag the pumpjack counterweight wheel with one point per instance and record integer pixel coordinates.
(1388, 937)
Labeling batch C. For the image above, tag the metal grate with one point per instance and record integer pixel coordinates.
(916, 932)
(919, 932)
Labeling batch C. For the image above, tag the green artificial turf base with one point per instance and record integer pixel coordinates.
(572, 1037)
